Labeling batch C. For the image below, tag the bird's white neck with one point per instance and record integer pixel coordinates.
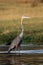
(22, 29)
(21, 34)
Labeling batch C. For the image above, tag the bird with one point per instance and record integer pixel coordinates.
(18, 40)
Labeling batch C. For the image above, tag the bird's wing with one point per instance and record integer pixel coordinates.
(15, 42)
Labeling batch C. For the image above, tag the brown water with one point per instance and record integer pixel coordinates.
(33, 59)
(29, 59)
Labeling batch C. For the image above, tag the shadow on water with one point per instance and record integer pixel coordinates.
(21, 60)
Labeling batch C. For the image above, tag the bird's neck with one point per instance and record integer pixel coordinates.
(21, 34)
(22, 31)
(22, 28)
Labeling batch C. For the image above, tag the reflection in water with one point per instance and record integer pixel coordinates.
(11, 60)
(21, 60)
(30, 59)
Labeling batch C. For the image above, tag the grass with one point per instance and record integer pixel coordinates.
(33, 30)
(10, 15)
(14, 11)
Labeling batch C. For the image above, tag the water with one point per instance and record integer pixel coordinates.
(34, 57)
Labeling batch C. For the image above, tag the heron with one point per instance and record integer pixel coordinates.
(18, 40)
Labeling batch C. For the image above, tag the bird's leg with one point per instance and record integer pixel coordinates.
(19, 51)
(9, 51)
(15, 50)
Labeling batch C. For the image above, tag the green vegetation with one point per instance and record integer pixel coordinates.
(33, 30)
(10, 16)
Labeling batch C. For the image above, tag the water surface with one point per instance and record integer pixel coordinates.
(35, 59)
(33, 56)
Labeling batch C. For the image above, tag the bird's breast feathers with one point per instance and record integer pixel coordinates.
(21, 34)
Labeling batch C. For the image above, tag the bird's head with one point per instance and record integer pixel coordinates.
(23, 17)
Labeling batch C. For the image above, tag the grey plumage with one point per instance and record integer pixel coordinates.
(17, 41)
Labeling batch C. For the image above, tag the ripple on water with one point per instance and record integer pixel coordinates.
(21, 60)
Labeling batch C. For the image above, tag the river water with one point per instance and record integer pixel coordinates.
(34, 58)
